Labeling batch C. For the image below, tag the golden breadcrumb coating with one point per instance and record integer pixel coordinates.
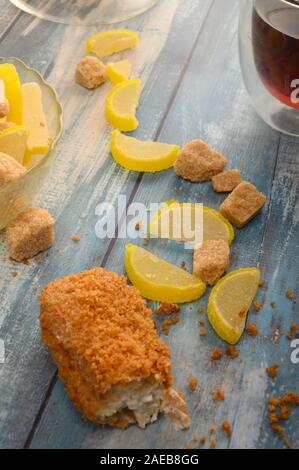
(102, 338)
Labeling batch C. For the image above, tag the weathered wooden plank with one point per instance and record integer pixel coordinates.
(8, 16)
(82, 175)
(211, 103)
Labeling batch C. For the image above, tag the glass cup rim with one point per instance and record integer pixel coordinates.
(291, 3)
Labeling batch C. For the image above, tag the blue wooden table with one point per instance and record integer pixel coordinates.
(192, 88)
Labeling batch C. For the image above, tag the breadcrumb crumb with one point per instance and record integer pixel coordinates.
(216, 355)
(202, 331)
(218, 395)
(203, 440)
(192, 383)
(75, 238)
(190, 446)
(14, 273)
(167, 324)
(243, 312)
(272, 371)
(227, 428)
(257, 306)
(290, 295)
(167, 309)
(252, 330)
(184, 265)
(232, 352)
(280, 410)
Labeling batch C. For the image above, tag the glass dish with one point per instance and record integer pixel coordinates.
(18, 195)
(85, 12)
(269, 57)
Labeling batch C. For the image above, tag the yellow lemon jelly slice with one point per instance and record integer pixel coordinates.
(121, 104)
(230, 301)
(119, 71)
(10, 77)
(34, 118)
(138, 155)
(107, 43)
(160, 280)
(13, 141)
(176, 221)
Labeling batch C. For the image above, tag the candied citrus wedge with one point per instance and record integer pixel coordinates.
(230, 301)
(160, 280)
(13, 141)
(177, 221)
(34, 118)
(107, 43)
(121, 105)
(10, 77)
(138, 155)
(119, 71)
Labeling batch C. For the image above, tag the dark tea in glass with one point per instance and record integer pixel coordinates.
(275, 40)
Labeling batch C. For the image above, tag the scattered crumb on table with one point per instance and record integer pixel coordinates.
(252, 330)
(272, 371)
(216, 355)
(257, 306)
(192, 383)
(227, 428)
(232, 352)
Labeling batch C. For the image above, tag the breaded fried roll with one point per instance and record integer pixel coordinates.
(103, 339)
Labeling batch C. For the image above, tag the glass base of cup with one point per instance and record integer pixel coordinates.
(85, 12)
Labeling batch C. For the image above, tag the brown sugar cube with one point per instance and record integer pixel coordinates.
(31, 232)
(227, 181)
(10, 169)
(211, 260)
(197, 162)
(90, 72)
(242, 204)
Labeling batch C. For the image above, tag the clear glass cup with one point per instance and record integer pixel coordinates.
(16, 196)
(85, 12)
(269, 57)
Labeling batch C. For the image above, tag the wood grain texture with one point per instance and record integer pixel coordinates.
(210, 103)
(192, 88)
(83, 174)
(8, 16)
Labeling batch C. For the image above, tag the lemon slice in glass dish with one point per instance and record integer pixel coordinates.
(13, 141)
(138, 155)
(119, 71)
(230, 301)
(106, 43)
(121, 104)
(12, 85)
(159, 280)
(184, 221)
